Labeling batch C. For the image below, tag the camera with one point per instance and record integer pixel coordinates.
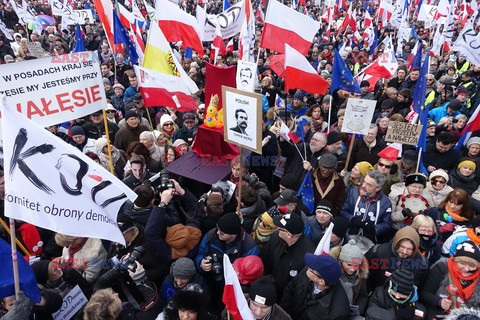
(163, 183)
(129, 264)
(250, 179)
(217, 266)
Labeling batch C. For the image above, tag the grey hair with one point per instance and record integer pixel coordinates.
(321, 136)
(379, 177)
(147, 135)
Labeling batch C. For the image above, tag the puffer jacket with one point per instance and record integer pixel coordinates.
(356, 284)
(377, 210)
(331, 304)
(381, 307)
(457, 180)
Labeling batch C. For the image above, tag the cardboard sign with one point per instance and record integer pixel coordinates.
(36, 50)
(72, 302)
(358, 116)
(403, 132)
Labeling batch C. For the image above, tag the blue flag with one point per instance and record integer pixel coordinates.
(375, 42)
(79, 44)
(300, 130)
(306, 192)
(421, 87)
(342, 78)
(188, 53)
(120, 35)
(226, 5)
(413, 33)
(28, 283)
(417, 59)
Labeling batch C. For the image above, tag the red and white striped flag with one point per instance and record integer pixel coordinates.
(233, 297)
(230, 47)
(323, 246)
(218, 46)
(246, 41)
(289, 136)
(260, 15)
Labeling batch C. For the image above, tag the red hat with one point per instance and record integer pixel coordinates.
(248, 269)
(389, 153)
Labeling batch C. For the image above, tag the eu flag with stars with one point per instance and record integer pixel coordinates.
(120, 35)
(421, 87)
(79, 44)
(342, 78)
(306, 193)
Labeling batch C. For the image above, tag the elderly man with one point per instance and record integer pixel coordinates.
(148, 140)
(327, 184)
(367, 208)
(367, 148)
(96, 128)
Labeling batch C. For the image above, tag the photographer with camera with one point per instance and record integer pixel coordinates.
(227, 238)
(140, 209)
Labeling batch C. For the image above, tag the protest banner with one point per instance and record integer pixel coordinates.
(55, 89)
(358, 116)
(72, 302)
(242, 118)
(51, 184)
(36, 50)
(403, 132)
(230, 21)
(79, 17)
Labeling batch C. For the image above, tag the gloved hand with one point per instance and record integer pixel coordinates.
(405, 312)
(369, 228)
(407, 213)
(357, 222)
(393, 169)
(447, 227)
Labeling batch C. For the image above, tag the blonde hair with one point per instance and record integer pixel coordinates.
(423, 221)
(468, 261)
(64, 240)
(101, 306)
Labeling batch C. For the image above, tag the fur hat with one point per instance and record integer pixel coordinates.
(416, 178)
(190, 298)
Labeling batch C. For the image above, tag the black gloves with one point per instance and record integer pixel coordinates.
(357, 222)
(394, 168)
(405, 312)
(369, 228)
(407, 213)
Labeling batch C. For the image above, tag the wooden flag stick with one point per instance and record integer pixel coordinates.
(109, 148)
(19, 244)
(14, 259)
(349, 152)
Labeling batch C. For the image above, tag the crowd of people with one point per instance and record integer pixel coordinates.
(404, 244)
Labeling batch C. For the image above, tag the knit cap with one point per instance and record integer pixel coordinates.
(183, 268)
(130, 114)
(439, 173)
(40, 269)
(351, 253)
(77, 131)
(401, 281)
(326, 206)
(467, 164)
(333, 137)
(364, 167)
(248, 269)
(340, 226)
(468, 249)
(100, 144)
(263, 291)
(473, 140)
(229, 223)
(164, 119)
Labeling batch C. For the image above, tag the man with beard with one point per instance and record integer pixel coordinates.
(242, 117)
(327, 184)
(334, 146)
(367, 208)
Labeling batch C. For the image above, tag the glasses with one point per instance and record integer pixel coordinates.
(111, 111)
(441, 181)
(168, 124)
(314, 273)
(387, 166)
(200, 112)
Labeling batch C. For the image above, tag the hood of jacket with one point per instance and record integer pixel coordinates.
(407, 233)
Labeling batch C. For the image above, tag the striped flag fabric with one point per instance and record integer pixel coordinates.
(323, 246)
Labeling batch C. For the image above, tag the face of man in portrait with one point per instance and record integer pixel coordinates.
(245, 76)
(242, 119)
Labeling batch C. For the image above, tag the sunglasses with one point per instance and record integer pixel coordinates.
(200, 112)
(441, 181)
(111, 111)
(168, 124)
(388, 166)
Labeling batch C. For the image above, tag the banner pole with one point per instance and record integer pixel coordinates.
(153, 128)
(350, 148)
(14, 259)
(239, 197)
(109, 148)
(330, 113)
(19, 244)
(418, 159)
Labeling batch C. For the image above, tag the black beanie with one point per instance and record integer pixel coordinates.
(340, 226)
(401, 281)
(40, 269)
(455, 105)
(468, 249)
(263, 291)
(191, 297)
(289, 181)
(229, 223)
(77, 131)
(333, 137)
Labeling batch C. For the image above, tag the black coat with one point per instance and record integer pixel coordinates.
(361, 152)
(457, 180)
(95, 131)
(382, 307)
(332, 304)
(284, 262)
(439, 160)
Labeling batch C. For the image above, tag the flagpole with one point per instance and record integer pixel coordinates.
(330, 112)
(14, 258)
(418, 159)
(19, 244)
(239, 196)
(350, 149)
(153, 128)
(109, 148)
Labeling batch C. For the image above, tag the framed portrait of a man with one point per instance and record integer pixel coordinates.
(242, 118)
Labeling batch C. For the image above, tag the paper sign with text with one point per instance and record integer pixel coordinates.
(54, 89)
(403, 132)
(358, 116)
(72, 302)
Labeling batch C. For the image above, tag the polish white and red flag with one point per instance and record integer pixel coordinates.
(386, 63)
(230, 47)
(323, 246)
(177, 25)
(289, 136)
(260, 15)
(233, 296)
(285, 25)
(299, 73)
(218, 46)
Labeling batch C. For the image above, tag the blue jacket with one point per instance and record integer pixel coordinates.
(129, 93)
(378, 210)
(440, 112)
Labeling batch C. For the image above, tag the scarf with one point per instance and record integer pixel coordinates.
(455, 215)
(105, 161)
(261, 234)
(473, 236)
(72, 251)
(456, 276)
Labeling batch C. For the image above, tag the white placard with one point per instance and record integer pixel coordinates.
(230, 21)
(55, 89)
(79, 17)
(246, 75)
(72, 302)
(358, 116)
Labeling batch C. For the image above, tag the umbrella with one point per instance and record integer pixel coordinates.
(28, 283)
(45, 20)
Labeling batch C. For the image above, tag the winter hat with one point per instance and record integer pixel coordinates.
(188, 117)
(263, 291)
(455, 105)
(410, 157)
(289, 181)
(183, 268)
(402, 281)
(462, 90)
(468, 249)
(473, 140)
(467, 164)
(178, 143)
(248, 269)
(137, 97)
(287, 196)
(325, 205)
(387, 104)
(416, 178)
(327, 99)
(439, 173)
(118, 85)
(130, 114)
(364, 167)
(326, 266)
(364, 83)
(351, 253)
(431, 123)
(101, 143)
(389, 153)
(290, 222)
(106, 81)
(77, 131)
(407, 233)
(340, 227)
(229, 223)
(110, 107)
(164, 119)
(333, 137)
(190, 298)
(327, 161)
(40, 269)
(298, 95)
